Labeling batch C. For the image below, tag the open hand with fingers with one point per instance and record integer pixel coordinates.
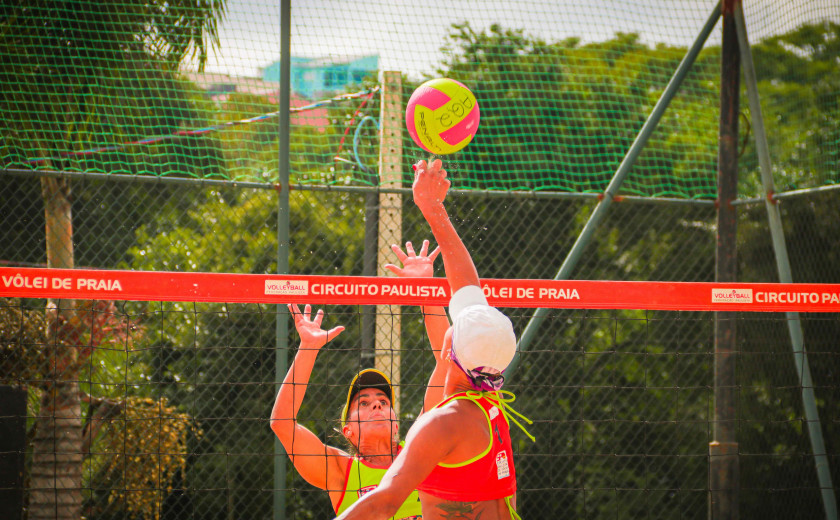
(312, 336)
(414, 265)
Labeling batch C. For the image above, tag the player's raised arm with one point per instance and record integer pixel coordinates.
(429, 189)
(304, 448)
(434, 317)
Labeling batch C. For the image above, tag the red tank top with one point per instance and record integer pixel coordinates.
(488, 476)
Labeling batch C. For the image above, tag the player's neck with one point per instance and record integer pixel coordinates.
(456, 382)
(379, 453)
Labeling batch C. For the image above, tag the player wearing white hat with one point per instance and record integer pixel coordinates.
(459, 453)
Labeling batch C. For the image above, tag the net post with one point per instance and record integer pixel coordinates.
(388, 317)
(613, 187)
(723, 499)
(777, 235)
(281, 316)
(371, 254)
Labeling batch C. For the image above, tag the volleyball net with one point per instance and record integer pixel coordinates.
(563, 89)
(168, 379)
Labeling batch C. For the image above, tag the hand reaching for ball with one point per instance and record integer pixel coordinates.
(430, 187)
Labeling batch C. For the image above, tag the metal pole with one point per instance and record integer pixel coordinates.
(615, 184)
(371, 254)
(774, 219)
(723, 450)
(776, 197)
(281, 357)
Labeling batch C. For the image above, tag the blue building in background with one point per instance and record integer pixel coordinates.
(318, 77)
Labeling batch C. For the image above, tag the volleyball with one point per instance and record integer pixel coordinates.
(442, 116)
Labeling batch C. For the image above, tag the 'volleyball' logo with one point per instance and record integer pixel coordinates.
(732, 296)
(287, 287)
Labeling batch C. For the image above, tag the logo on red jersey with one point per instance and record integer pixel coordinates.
(365, 490)
(502, 468)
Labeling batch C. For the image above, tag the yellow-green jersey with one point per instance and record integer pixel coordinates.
(363, 478)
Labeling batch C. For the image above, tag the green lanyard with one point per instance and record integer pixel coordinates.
(503, 399)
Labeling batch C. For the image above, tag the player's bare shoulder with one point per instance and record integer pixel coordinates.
(465, 415)
(454, 417)
(441, 418)
(458, 424)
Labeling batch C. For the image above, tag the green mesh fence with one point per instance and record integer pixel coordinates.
(155, 89)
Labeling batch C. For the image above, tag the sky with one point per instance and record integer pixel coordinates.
(408, 34)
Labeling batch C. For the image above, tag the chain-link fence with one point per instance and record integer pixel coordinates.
(620, 398)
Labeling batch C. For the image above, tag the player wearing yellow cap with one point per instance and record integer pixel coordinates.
(368, 421)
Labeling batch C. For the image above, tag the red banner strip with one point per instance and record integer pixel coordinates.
(361, 290)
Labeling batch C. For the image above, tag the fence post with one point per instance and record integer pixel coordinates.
(723, 450)
(774, 219)
(369, 268)
(281, 353)
(388, 317)
(12, 449)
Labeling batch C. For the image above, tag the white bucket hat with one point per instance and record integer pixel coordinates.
(483, 341)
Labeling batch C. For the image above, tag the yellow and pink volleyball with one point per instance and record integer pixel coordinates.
(442, 116)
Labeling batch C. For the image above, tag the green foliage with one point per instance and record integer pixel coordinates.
(563, 115)
(139, 443)
(623, 381)
(71, 74)
(770, 380)
(211, 355)
(800, 101)
(23, 343)
(104, 54)
(140, 453)
(234, 231)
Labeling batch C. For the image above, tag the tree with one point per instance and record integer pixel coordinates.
(798, 84)
(563, 115)
(104, 53)
(122, 434)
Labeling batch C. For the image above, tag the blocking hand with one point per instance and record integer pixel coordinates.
(414, 266)
(312, 336)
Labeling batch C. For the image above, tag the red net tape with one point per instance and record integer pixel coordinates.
(360, 290)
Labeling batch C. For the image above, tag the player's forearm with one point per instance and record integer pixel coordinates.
(436, 323)
(434, 388)
(457, 262)
(292, 390)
